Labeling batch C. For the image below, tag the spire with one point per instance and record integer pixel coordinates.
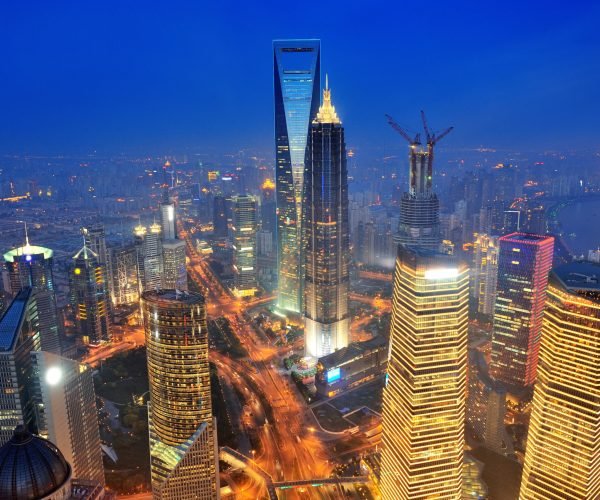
(27, 248)
(327, 112)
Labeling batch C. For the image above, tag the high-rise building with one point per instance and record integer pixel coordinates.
(31, 266)
(423, 415)
(19, 336)
(486, 406)
(484, 273)
(183, 448)
(244, 246)
(419, 224)
(174, 270)
(220, 217)
(562, 459)
(89, 297)
(167, 209)
(326, 239)
(297, 77)
(150, 256)
(63, 391)
(524, 261)
(125, 275)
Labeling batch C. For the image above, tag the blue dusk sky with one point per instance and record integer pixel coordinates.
(158, 77)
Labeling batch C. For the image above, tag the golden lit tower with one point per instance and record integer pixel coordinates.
(562, 459)
(183, 447)
(424, 397)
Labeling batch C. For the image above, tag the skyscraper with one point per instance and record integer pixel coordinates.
(167, 209)
(174, 270)
(562, 459)
(326, 240)
(63, 390)
(297, 84)
(125, 275)
(150, 257)
(524, 261)
(484, 274)
(419, 224)
(423, 415)
(89, 297)
(31, 266)
(220, 217)
(183, 448)
(19, 336)
(244, 245)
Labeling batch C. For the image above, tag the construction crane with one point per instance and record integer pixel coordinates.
(432, 140)
(413, 142)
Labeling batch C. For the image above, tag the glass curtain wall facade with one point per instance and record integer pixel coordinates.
(19, 337)
(423, 419)
(297, 87)
(183, 449)
(562, 458)
(326, 239)
(524, 261)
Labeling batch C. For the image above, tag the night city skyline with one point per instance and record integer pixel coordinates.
(300, 252)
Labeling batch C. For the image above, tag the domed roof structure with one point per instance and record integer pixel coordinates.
(31, 468)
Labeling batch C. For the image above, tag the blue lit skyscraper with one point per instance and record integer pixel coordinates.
(297, 88)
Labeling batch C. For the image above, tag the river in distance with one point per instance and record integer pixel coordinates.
(580, 224)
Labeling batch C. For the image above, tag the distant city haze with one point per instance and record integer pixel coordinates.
(138, 77)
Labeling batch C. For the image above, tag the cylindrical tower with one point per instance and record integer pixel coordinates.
(182, 444)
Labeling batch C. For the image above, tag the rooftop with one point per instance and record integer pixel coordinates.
(27, 250)
(173, 296)
(527, 237)
(12, 319)
(352, 351)
(579, 276)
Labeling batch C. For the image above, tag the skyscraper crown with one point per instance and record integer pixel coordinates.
(327, 112)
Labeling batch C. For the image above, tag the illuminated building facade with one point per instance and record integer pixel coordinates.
(297, 87)
(524, 261)
(183, 448)
(423, 415)
(125, 289)
(150, 257)
(326, 239)
(95, 240)
(89, 297)
(562, 458)
(244, 245)
(31, 266)
(174, 270)
(484, 273)
(66, 412)
(19, 337)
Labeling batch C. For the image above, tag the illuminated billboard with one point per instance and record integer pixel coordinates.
(333, 375)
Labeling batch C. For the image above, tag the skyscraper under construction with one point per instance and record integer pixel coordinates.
(326, 239)
(297, 84)
(419, 224)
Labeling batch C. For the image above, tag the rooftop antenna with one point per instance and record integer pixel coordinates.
(326, 81)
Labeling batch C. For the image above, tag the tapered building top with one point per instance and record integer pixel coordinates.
(327, 112)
